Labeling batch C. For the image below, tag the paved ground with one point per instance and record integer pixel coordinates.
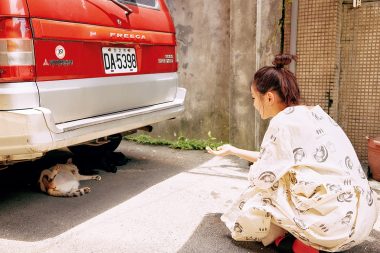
(163, 200)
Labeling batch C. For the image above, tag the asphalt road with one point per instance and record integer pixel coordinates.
(162, 200)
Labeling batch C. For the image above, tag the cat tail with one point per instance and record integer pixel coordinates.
(74, 193)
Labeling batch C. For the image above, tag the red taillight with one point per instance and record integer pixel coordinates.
(16, 50)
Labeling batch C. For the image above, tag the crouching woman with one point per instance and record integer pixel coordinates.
(307, 189)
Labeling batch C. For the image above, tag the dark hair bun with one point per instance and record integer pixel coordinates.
(283, 59)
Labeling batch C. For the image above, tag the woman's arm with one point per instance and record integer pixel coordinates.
(228, 149)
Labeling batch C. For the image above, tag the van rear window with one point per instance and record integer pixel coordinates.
(150, 3)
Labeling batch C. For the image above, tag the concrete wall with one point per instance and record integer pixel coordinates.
(203, 53)
(219, 49)
(243, 65)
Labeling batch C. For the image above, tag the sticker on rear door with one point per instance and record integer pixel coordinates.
(60, 52)
(119, 60)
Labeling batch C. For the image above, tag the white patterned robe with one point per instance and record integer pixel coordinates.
(309, 181)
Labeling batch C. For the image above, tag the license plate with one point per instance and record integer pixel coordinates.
(119, 60)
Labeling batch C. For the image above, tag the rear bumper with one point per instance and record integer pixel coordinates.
(28, 134)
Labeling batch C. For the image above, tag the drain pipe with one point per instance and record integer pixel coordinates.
(293, 33)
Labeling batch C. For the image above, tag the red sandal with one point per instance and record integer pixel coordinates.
(289, 244)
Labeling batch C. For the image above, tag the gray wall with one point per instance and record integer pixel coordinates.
(243, 65)
(219, 49)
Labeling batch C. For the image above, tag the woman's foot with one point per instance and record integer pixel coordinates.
(289, 244)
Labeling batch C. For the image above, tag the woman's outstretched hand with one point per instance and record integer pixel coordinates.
(223, 150)
(228, 149)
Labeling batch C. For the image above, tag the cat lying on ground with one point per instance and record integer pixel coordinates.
(62, 180)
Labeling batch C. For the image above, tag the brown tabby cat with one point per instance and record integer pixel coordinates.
(62, 180)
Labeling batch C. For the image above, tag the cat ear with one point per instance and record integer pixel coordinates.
(70, 160)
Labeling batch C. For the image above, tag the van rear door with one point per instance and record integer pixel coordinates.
(96, 57)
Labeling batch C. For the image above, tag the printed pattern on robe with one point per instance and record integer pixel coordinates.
(276, 158)
(307, 180)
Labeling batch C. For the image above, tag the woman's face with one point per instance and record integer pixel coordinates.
(268, 104)
(258, 101)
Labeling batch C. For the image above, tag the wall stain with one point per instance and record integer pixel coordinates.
(184, 38)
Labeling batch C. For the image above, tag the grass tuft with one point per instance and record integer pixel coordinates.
(180, 143)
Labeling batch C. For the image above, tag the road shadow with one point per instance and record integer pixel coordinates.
(27, 214)
(212, 235)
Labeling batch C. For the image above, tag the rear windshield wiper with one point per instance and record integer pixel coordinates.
(128, 10)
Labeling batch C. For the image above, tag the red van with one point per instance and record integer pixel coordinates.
(75, 71)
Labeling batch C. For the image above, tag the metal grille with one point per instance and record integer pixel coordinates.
(287, 26)
(359, 101)
(317, 51)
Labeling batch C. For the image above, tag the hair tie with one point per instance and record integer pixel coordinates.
(279, 66)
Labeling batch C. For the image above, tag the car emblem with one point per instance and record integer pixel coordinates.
(118, 21)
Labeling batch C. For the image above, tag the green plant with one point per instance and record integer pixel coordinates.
(180, 143)
(146, 139)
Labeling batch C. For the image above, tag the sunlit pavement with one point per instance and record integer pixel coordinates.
(178, 214)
